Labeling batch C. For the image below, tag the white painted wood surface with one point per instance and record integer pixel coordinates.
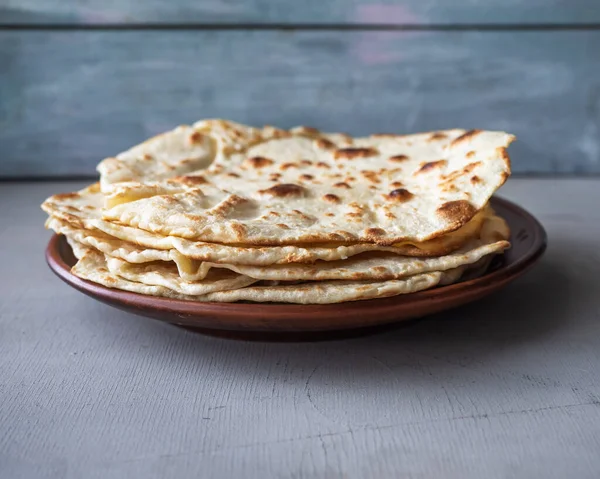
(508, 387)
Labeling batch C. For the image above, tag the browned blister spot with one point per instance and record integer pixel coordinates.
(475, 179)
(331, 198)
(274, 176)
(301, 215)
(351, 153)
(321, 164)
(465, 137)
(400, 195)
(306, 177)
(239, 230)
(66, 196)
(438, 135)
(196, 137)
(470, 154)
(342, 185)
(306, 162)
(307, 131)
(170, 200)
(389, 215)
(432, 165)
(324, 144)
(283, 226)
(457, 212)
(285, 190)
(233, 175)
(371, 176)
(458, 173)
(449, 188)
(287, 166)
(397, 184)
(191, 180)
(374, 233)
(147, 157)
(329, 214)
(504, 155)
(274, 213)
(258, 162)
(379, 269)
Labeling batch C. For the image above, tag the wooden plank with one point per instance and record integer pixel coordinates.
(70, 98)
(399, 12)
(508, 387)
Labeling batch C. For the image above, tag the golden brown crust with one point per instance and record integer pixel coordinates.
(258, 162)
(438, 135)
(400, 195)
(191, 180)
(196, 137)
(371, 176)
(457, 212)
(351, 153)
(285, 190)
(458, 173)
(432, 165)
(469, 135)
(331, 198)
(325, 144)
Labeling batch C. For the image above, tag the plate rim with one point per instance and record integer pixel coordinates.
(500, 276)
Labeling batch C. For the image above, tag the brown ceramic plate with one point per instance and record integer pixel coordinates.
(528, 244)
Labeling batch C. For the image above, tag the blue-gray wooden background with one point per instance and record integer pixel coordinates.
(84, 79)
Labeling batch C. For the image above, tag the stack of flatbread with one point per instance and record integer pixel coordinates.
(219, 211)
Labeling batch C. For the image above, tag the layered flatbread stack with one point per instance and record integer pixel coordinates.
(219, 211)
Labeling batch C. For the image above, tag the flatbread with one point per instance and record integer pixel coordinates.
(154, 274)
(274, 187)
(82, 210)
(93, 267)
(366, 266)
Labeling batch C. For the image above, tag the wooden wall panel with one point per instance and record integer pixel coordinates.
(70, 98)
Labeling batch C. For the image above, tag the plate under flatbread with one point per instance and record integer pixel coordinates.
(259, 320)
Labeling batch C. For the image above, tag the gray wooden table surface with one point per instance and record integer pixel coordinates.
(507, 387)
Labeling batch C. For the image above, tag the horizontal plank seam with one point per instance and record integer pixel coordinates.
(304, 26)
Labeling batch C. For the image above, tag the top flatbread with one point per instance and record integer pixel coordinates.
(277, 187)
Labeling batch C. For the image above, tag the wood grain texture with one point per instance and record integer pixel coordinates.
(72, 98)
(508, 387)
(344, 12)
